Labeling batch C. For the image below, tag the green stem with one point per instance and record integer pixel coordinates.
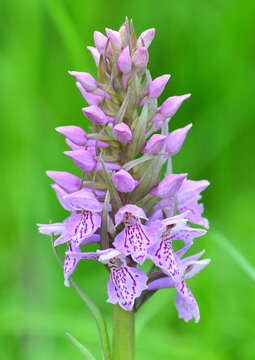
(123, 334)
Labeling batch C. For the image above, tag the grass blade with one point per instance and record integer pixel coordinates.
(234, 253)
(87, 354)
(94, 310)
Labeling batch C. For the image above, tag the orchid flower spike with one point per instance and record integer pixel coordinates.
(121, 198)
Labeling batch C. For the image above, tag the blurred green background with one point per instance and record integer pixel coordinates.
(208, 47)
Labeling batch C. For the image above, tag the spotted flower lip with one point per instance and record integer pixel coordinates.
(135, 239)
(185, 302)
(167, 230)
(125, 283)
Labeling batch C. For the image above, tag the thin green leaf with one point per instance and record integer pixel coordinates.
(149, 179)
(100, 321)
(148, 202)
(139, 133)
(122, 110)
(234, 253)
(129, 165)
(104, 231)
(115, 198)
(94, 310)
(87, 354)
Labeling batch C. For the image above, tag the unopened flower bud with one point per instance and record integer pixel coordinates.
(95, 114)
(85, 79)
(175, 139)
(123, 181)
(114, 37)
(172, 104)
(155, 144)
(74, 133)
(122, 132)
(146, 38)
(140, 58)
(124, 61)
(158, 120)
(83, 158)
(169, 185)
(91, 98)
(123, 35)
(100, 41)
(95, 54)
(157, 86)
(67, 181)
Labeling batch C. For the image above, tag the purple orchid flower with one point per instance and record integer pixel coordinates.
(180, 194)
(135, 239)
(185, 302)
(125, 283)
(64, 230)
(167, 230)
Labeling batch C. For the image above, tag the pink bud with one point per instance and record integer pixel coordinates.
(95, 53)
(83, 158)
(67, 181)
(91, 98)
(123, 181)
(122, 132)
(95, 114)
(100, 41)
(175, 139)
(140, 58)
(123, 35)
(155, 144)
(172, 104)
(109, 165)
(102, 93)
(114, 37)
(158, 120)
(73, 146)
(146, 38)
(157, 86)
(169, 186)
(124, 61)
(74, 133)
(85, 79)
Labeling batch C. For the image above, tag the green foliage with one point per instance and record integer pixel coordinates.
(208, 47)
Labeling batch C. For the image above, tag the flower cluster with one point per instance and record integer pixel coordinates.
(121, 201)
